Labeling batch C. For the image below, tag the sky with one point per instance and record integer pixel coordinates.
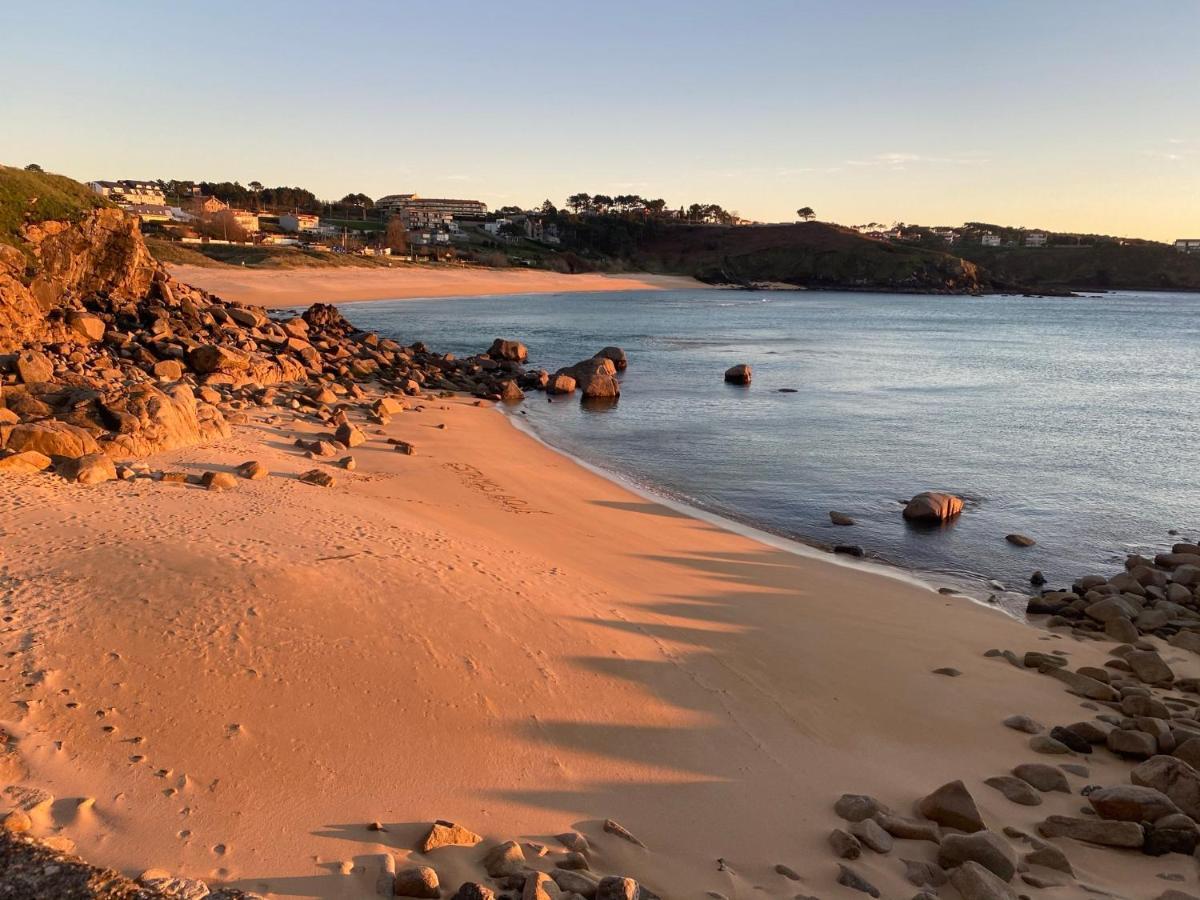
(1073, 115)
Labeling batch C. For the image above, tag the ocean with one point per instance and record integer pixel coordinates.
(1075, 421)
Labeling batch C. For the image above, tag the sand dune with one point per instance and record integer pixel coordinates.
(485, 632)
(275, 288)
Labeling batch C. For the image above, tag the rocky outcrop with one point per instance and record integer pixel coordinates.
(64, 263)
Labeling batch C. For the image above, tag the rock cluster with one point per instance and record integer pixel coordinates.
(1157, 597)
(508, 869)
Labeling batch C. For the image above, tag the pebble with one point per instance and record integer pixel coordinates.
(869, 832)
(851, 879)
(1025, 724)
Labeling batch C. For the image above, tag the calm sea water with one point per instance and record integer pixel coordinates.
(1075, 421)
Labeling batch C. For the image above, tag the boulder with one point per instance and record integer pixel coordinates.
(856, 807)
(871, 834)
(932, 506)
(974, 882)
(844, 844)
(52, 438)
(1131, 743)
(471, 890)
(1094, 831)
(416, 881)
(168, 369)
(253, 470)
(952, 806)
(1015, 790)
(34, 367)
(91, 468)
(86, 327)
(321, 479)
(24, 463)
(504, 859)
(1043, 777)
(613, 887)
(987, 848)
(739, 374)
(349, 435)
(560, 384)
(1149, 667)
(1131, 803)
(600, 386)
(616, 355)
(218, 481)
(847, 877)
(448, 834)
(510, 350)
(1174, 778)
(510, 392)
(209, 358)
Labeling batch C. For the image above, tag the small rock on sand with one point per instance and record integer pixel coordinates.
(253, 470)
(851, 879)
(1043, 777)
(1015, 790)
(856, 807)
(616, 828)
(872, 835)
(948, 671)
(974, 882)
(952, 806)
(504, 859)
(1025, 724)
(218, 481)
(473, 891)
(844, 844)
(317, 477)
(417, 881)
(448, 834)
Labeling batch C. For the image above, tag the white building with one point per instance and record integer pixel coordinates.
(133, 192)
(1188, 245)
(1035, 239)
(990, 240)
(299, 222)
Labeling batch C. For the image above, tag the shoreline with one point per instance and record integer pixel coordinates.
(284, 288)
(931, 580)
(560, 649)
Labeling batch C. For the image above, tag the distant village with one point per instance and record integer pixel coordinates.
(433, 228)
(398, 224)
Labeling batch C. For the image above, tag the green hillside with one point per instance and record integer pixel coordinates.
(31, 196)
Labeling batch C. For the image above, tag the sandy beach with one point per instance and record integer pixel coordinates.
(274, 288)
(486, 632)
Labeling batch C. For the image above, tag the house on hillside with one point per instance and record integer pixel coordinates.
(206, 206)
(1188, 245)
(244, 219)
(149, 212)
(299, 222)
(128, 192)
(990, 240)
(1035, 239)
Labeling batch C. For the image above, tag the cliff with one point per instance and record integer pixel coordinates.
(810, 254)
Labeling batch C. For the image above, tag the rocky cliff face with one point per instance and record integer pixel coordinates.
(63, 265)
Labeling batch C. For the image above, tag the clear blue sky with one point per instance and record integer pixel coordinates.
(1059, 113)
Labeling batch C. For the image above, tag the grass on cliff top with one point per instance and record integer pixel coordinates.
(41, 197)
(256, 256)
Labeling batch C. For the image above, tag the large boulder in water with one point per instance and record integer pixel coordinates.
(596, 378)
(932, 506)
(511, 350)
(617, 355)
(739, 374)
